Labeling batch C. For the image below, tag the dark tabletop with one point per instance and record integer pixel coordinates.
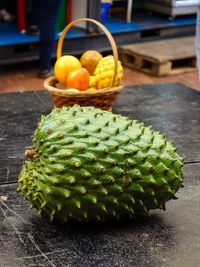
(165, 238)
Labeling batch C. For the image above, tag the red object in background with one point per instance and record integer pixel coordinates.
(69, 11)
(21, 16)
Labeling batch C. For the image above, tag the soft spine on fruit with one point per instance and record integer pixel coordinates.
(89, 164)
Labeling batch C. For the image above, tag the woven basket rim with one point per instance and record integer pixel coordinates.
(62, 92)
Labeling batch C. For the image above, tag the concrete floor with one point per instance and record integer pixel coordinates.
(23, 77)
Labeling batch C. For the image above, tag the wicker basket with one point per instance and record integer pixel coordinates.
(101, 98)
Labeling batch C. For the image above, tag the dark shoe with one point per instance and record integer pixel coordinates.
(33, 29)
(45, 73)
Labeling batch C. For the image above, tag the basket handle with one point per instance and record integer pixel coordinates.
(104, 29)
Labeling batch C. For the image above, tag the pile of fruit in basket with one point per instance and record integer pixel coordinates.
(91, 72)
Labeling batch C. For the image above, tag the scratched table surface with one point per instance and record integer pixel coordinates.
(164, 238)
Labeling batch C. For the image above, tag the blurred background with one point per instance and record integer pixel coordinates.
(155, 39)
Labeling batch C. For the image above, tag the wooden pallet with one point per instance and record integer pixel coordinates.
(161, 58)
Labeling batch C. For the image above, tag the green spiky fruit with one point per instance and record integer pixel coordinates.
(89, 164)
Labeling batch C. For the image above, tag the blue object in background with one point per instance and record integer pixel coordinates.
(104, 11)
(9, 34)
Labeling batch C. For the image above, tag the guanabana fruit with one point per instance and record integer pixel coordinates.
(89, 164)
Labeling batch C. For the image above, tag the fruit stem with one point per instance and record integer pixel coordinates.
(29, 154)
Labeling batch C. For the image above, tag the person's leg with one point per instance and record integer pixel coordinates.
(47, 20)
(32, 19)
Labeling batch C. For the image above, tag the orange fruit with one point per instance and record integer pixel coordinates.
(78, 79)
(64, 65)
(90, 59)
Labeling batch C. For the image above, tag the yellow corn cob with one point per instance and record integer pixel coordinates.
(92, 81)
(104, 73)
